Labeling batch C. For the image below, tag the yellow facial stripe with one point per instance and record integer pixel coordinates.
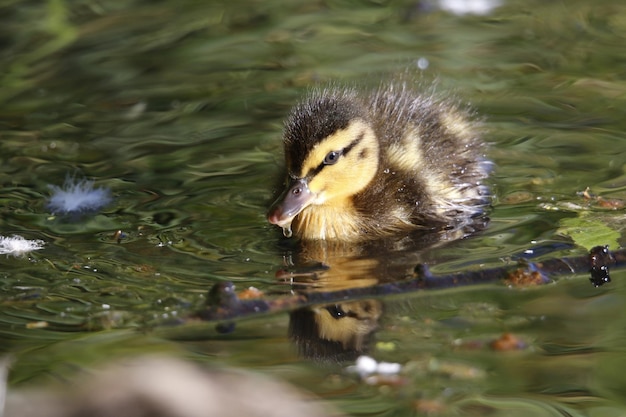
(335, 142)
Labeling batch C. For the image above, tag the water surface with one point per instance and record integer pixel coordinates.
(178, 109)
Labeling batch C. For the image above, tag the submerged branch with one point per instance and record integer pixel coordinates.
(224, 304)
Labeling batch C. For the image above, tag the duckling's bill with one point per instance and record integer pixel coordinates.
(296, 197)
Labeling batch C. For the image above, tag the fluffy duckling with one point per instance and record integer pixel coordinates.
(367, 166)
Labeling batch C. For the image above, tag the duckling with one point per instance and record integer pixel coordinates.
(364, 166)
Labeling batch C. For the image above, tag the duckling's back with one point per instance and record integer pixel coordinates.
(432, 164)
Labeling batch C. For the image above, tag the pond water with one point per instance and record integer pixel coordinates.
(177, 108)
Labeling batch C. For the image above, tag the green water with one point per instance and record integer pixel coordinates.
(177, 107)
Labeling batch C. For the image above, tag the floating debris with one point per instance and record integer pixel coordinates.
(366, 366)
(599, 257)
(37, 325)
(17, 245)
(250, 293)
(464, 7)
(611, 204)
(508, 342)
(119, 236)
(430, 407)
(455, 370)
(527, 276)
(77, 197)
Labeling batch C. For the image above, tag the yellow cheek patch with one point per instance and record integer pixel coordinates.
(316, 185)
(352, 171)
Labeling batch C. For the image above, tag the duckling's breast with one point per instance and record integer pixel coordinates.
(330, 222)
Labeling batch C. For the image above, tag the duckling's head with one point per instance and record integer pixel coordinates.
(331, 152)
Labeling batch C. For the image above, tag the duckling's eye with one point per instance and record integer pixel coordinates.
(336, 311)
(332, 157)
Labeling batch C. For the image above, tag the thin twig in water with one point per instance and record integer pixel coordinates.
(224, 304)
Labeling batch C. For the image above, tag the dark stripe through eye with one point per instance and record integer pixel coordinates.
(333, 156)
(352, 144)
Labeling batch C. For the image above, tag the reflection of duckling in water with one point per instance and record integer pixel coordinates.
(367, 167)
(338, 332)
(362, 167)
(343, 331)
(335, 332)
